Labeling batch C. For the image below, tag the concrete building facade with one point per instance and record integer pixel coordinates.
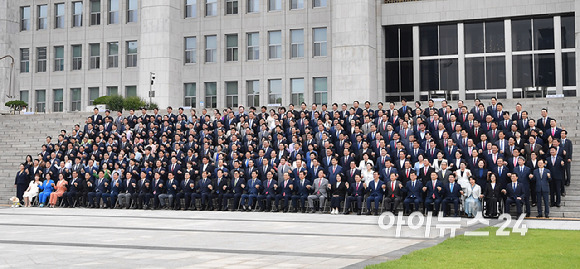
(218, 53)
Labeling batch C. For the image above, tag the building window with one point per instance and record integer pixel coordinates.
(77, 58)
(25, 96)
(42, 17)
(484, 55)
(253, 46)
(399, 62)
(190, 8)
(93, 94)
(132, 11)
(40, 100)
(320, 90)
(275, 91)
(253, 87)
(275, 44)
(190, 96)
(95, 56)
(24, 18)
(190, 50)
(568, 28)
(210, 49)
(41, 59)
(130, 91)
(253, 6)
(210, 8)
(77, 18)
(113, 54)
(319, 3)
(297, 43)
(297, 87)
(439, 61)
(131, 53)
(231, 6)
(274, 5)
(211, 94)
(296, 4)
(57, 104)
(24, 60)
(113, 11)
(95, 12)
(319, 42)
(58, 58)
(75, 99)
(59, 16)
(232, 48)
(231, 94)
(112, 90)
(533, 53)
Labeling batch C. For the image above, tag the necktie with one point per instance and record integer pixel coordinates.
(514, 187)
(451, 187)
(434, 182)
(319, 182)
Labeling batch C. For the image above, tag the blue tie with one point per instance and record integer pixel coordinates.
(451, 187)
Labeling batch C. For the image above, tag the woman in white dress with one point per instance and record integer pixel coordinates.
(272, 119)
(363, 163)
(472, 202)
(367, 173)
(437, 162)
(32, 190)
(463, 174)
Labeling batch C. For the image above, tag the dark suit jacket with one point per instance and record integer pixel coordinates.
(456, 194)
(414, 192)
(397, 192)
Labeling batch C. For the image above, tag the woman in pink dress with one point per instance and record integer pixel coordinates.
(60, 189)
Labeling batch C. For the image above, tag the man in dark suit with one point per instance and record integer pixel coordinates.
(375, 188)
(235, 191)
(524, 173)
(253, 191)
(515, 194)
(204, 186)
(269, 193)
(101, 187)
(567, 147)
(393, 194)
(301, 190)
(284, 193)
(221, 188)
(434, 189)
(556, 166)
(110, 199)
(356, 192)
(171, 190)
(187, 188)
(351, 173)
(72, 195)
(452, 193)
(542, 179)
(158, 189)
(414, 191)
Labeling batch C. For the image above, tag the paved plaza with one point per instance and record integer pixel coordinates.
(99, 238)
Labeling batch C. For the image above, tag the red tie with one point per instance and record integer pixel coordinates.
(407, 173)
(393, 189)
(433, 190)
(553, 132)
(319, 182)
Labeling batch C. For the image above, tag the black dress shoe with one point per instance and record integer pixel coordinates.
(369, 213)
(359, 213)
(534, 204)
(547, 216)
(539, 216)
(563, 194)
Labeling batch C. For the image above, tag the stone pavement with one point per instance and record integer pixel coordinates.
(99, 238)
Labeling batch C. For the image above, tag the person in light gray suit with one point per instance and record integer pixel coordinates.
(320, 185)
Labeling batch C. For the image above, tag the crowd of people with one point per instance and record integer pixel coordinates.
(356, 158)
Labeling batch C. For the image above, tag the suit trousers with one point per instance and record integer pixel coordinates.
(357, 199)
(543, 196)
(320, 197)
(395, 203)
(555, 191)
(302, 199)
(124, 200)
(374, 198)
(164, 196)
(436, 204)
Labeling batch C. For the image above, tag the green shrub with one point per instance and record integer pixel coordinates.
(133, 102)
(103, 100)
(151, 106)
(115, 103)
(16, 104)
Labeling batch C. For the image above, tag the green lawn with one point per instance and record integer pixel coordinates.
(537, 249)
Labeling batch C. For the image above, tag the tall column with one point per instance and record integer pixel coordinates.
(9, 26)
(354, 51)
(160, 52)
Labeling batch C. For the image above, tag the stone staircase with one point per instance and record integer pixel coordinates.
(21, 135)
